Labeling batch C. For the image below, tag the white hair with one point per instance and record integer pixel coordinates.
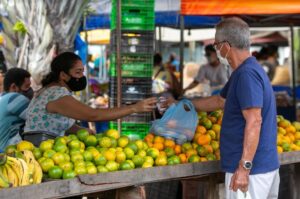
(235, 31)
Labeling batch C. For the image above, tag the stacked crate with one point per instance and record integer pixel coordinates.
(137, 47)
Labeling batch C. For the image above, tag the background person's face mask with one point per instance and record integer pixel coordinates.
(28, 93)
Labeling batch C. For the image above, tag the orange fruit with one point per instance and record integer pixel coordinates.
(281, 130)
(149, 137)
(163, 153)
(191, 152)
(159, 146)
(217, 154)
(182, 157)
(215, 145)
(297, 135)
(203, 159)
(212, 134)
(219, 122)
(290, 129)
(169, 143)
(25, 145)
(196, 136)
(208, 148)
(206, 123)
(201, 129)
(279, 149)
(213, 119)
(216, 128)
(204, 139)
(177, 149)
(159, 139)
(291, 136)
(186, 146)
(284, 123)
(161, 160)
(150, 144)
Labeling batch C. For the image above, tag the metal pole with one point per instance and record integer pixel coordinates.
(119, 72)
(87, 97)
(293, 70)
(159, 40)
(181, 49)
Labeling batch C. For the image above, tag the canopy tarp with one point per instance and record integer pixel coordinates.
(242, 7)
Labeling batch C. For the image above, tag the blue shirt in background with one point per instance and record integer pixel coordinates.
(13, 108)
(248, 87)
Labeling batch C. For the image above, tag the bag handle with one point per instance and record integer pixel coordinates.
(188, 103)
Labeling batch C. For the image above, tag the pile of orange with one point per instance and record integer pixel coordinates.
(288, 135)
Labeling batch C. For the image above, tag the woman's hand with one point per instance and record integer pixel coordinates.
(146, 105)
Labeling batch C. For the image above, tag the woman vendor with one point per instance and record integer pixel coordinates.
(53, 109)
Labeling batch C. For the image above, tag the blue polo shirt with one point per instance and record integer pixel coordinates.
(248, 87)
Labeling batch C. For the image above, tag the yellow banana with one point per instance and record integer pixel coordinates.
(25, 180)
(37, 173)
(29, 158)
(3, 171)
(4, 183)
(12, 176)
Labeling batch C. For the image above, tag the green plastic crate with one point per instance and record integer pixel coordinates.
(133, 65)
(139, 17)
(133, 130)
(135, 2)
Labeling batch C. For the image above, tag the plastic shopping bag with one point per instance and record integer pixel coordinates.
(178, 123)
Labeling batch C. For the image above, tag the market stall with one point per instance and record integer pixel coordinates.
(87, 184)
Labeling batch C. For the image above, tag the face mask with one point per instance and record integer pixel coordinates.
(77, 84)
(222, 60)
(28, 93)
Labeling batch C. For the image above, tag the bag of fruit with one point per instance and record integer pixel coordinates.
(178, 123)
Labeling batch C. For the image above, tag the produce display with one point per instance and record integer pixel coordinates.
(82, 153)
(20, 170)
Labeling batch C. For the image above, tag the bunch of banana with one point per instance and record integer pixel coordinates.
(34, 169)
(15, 170)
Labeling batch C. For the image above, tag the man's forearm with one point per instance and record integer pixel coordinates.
(251, 139)
(209, 103)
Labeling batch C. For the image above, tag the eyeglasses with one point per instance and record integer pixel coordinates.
(215, 44)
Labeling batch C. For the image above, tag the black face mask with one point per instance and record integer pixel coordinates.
(77, 84)
(28, 93)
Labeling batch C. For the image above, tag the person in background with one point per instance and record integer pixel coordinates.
(54, 109)
(1, 82)
(268, 57)
(213, 72)
(173, 63)
(164, 80)
(13, 105)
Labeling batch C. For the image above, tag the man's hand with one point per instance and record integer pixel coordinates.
(240, 180)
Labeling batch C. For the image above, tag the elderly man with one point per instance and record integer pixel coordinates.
(249, 128)
(248, 136)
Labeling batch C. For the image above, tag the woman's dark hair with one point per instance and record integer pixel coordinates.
(62, 62)
(15, 76)
(157, 59)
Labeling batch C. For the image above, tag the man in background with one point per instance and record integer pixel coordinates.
(13, 105)
(213, 73)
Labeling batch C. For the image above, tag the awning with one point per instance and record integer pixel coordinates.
(239, 7)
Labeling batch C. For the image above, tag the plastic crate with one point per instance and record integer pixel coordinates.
(132, 130)
(127, 101)
(131, 81)
(135, 2)
(134, 18)
(131, 91)
(134, 41)
(133, 65)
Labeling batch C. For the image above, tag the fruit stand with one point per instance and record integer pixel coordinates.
(86, 184)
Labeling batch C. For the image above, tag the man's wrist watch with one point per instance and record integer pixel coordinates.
(246, 164)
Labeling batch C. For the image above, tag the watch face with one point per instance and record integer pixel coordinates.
(248, 165)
